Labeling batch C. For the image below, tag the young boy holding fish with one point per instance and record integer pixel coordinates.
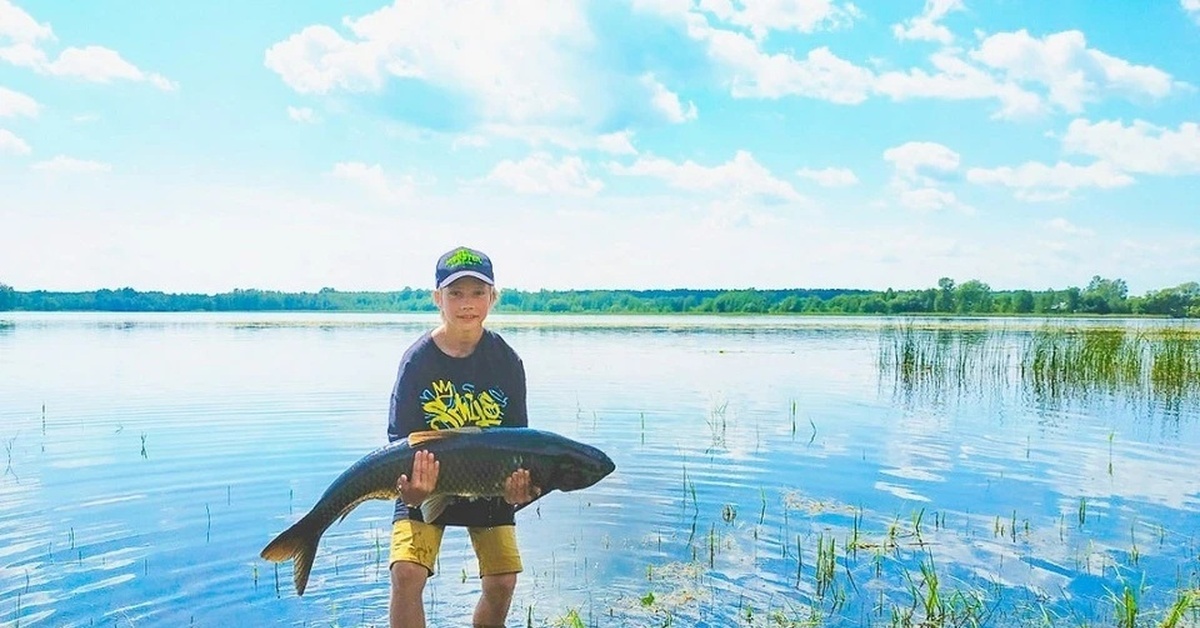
(454, 376)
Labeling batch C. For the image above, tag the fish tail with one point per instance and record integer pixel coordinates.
(298, 543)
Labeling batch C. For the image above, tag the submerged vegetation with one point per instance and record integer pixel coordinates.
(851, 566)
(1100, 297)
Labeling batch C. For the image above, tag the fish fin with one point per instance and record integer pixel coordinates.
(433, 506)
(387, 493)
(298, 543)
(420, 438)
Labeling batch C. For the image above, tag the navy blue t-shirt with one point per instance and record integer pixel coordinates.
(435, 391)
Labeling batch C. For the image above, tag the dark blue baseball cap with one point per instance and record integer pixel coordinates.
(463, 262)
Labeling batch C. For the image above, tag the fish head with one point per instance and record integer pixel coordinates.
(579, 465)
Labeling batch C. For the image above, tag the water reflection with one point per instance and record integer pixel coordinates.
(784, 472)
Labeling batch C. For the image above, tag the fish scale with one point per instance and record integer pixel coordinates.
(472, 463)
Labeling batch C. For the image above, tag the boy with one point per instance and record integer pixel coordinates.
(457, 375)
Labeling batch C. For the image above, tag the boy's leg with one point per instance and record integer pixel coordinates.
(499, 564)
(414, 551)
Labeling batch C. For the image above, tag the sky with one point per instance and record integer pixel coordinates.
(204, 146)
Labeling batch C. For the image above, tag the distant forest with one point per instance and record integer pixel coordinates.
(1100, 296)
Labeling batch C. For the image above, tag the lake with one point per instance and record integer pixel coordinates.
(770, 472)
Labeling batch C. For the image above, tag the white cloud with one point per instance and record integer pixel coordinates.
(374, 180)
(667, 102)
(1192, 7)
(1140, 147)
(739, 213)
(1033, 181)
(619, 143)
(541, 174)
(757, 74)
(14, 103)
(920, 170)
(90, 63)
(19, 26)
(616, 143)
(924, 162)
(958, 80)
(1066, 227)
(926, 27)
(97, 64)
(469, 140)
(11, 144)
(1005, 67)
(1072, 73)
(61, 164)
(928, 199)
(318, 60)
(303, 114)
(529, 64)
(742, 176)
(761, 17)
(665, 8)
(829, 177)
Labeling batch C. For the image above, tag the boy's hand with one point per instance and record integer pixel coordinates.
(424, 479)
(518, 490)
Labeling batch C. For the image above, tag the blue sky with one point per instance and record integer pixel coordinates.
(206, 146)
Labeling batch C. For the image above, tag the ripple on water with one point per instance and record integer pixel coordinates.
(154, 483)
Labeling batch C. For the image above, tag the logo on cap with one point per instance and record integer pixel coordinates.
(463, 257)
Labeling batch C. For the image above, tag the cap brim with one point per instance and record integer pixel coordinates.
(452, 277)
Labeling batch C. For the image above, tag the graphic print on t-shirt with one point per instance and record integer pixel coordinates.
(449, 406)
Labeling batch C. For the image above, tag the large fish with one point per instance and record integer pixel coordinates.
(473, 463)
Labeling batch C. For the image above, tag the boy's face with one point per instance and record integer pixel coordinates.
(465, 303)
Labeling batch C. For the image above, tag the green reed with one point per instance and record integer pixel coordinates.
(940, 359)
(1188, 601)
(1053, 362)
(826, 565)
(1125, 606)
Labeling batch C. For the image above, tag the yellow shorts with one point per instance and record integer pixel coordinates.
(418, 542)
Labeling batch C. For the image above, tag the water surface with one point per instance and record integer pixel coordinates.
(768, 471)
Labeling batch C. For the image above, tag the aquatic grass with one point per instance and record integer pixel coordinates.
(1175, 370)
(718, 424)
(826, 565)
(1186, 602)
(570, 620)
(930, 594)
(1055, 363)
(937, 360)
(8, 449)
(1126, 606)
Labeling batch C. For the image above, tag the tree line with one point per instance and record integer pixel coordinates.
(1101, 296)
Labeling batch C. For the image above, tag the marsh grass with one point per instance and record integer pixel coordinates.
(857, 567)
(8, 450)
(718, 423)
(1054, 364)
(1186, 604)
